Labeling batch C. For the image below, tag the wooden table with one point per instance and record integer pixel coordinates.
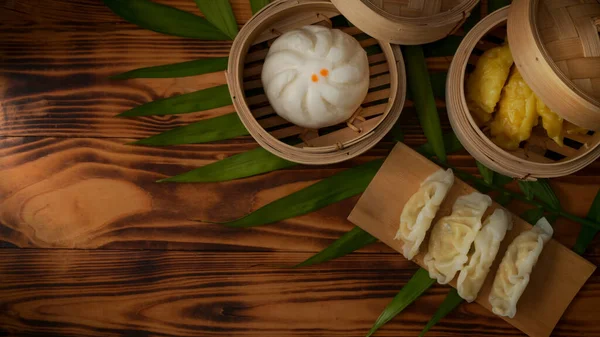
(91, 246)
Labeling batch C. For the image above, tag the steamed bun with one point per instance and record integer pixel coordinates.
(315, 76)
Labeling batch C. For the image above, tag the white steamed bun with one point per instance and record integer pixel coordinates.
(315, 76)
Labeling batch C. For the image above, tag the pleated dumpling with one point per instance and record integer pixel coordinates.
(315, 76)
(552, 123)
(517, 113)
(515, 269)
(484, 86)
(452, 236)
(486, 245)
(420, 210)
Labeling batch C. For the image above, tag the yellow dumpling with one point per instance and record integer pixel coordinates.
(517, 113)
(484, 86)
(552, 123)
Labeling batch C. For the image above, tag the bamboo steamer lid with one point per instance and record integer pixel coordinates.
(539, 156)
(556, 47)
(407, 22)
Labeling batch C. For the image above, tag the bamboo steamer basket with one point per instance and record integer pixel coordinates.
(378, 113)
(407, 22)
(556, 51)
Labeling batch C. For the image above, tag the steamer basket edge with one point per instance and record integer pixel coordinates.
(319, 155)
(404, 30)
(475, 141)
(534, 62)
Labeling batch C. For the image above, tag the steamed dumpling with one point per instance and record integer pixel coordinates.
(486, 246)
(485, 84)
(517, 113)
(420, 210)
(453, 235)
(315, 76)
(552, 123)
(513, 273)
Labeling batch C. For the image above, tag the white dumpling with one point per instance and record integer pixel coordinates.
(452, 236)
(486, 245)
(420, 210)
(315, 76)
(515, 269)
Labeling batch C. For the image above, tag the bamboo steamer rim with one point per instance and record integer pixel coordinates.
(334, 153)
(452, 15)
(473, 138)
(404, 30)
(541, 72)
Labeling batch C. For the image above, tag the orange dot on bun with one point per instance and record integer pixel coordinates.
(314, 78)
(324, 72)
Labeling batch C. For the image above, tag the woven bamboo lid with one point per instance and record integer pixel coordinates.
(556, 47)
(406, 21)
(539, 156)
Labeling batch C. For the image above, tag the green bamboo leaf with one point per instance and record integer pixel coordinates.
(238, 166)
(503, 199)
(532, 215)
(165, 19)
(346, 244)
(408, 294)
(451, 144)
(584, 238)
(494, 178)
(352, 241)
(257, 5)
(200, 100)
(518, 196)
(474, 181)
(526, 189)
(419, 84)
(486, 173)
(501, 179)
(541, 190)
(204, 131)
(445, 47)
(587, 234)
(338, 187)
(438, 84)
(220, 14)
(551, 218)
(450, 303)
(259, 161)
(183, 69)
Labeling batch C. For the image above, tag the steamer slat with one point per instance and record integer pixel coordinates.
(381, 106)
(540, 156)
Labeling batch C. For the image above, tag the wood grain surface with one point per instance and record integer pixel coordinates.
(540, 308)
(143, 293)
(92, 246)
